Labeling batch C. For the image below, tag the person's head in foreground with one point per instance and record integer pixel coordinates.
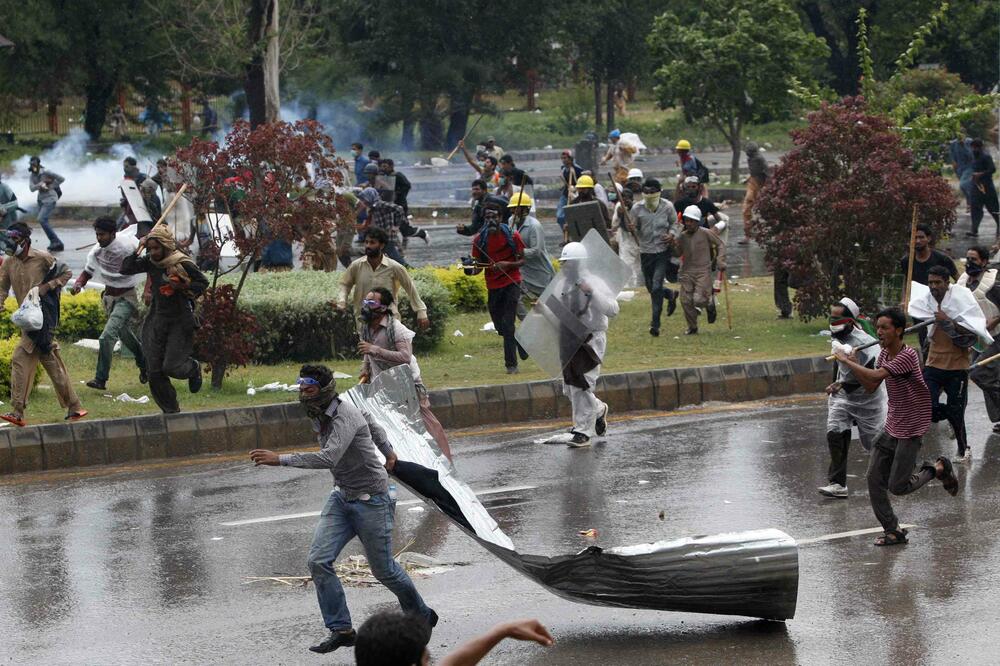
(890, 324)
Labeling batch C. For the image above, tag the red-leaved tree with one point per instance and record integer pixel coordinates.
(837, 211)
(274, 182)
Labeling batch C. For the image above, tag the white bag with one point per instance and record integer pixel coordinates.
(29, 316)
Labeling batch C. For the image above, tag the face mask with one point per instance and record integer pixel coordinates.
(652, 201)
(316, 405)
(974, 269)
(840, 326)
(373, 252)
(20, 250)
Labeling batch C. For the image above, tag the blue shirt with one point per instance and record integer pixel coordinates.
(359, 169)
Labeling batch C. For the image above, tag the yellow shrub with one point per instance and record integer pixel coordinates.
(7, 346)
(80, 316)
(466, 292)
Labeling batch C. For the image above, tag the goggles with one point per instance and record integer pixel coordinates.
(307, 381)
(373, 304)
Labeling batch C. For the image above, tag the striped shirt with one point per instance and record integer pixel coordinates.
(909, 400)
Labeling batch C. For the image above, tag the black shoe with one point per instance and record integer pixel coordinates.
(655, 332)
(143, 377)
(433, 619)
(671, 301)
(947, 476)
(194, 381)
(712, 312)
(335, 640)
(969, 234)
(94, 384)
(601, 426)
(56, 247)
(996, 428)
(691, 331)
(579, 441)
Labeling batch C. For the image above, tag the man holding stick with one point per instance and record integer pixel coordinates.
(893, 459)
(537, 271)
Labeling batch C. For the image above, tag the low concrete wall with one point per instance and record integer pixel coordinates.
(114, 441)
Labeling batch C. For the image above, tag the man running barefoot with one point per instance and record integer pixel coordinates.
(891, 466)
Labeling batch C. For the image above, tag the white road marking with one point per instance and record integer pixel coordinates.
(845, 535)
(313, 514)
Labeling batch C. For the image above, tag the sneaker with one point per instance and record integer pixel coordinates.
(579, 441)
(601, 426)
(947, 476)
(512, 370)
(194, 381)
(426, 236)
(834, 490)
(56, 247)
(964, 458)
(97, 384)
(691, 331)
(655, 332)
(336, 639)
(712, 312)
(671, 301)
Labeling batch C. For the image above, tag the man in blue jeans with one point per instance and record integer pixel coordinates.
(359, 506)
(46, 183)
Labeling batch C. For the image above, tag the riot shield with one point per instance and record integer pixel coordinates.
(584, 216)
(386, 186)
(565, 315)
(136, 210)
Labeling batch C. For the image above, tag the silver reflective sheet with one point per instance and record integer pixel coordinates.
(551, 333)
(753, 574)
(136, 204)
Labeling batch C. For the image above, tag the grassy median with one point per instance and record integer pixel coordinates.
(476, 358)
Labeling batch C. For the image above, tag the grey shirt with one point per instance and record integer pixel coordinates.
(537, 271)
(8, 206)
(758, 166)
(45, 194)
(651, 226)
(347, 448)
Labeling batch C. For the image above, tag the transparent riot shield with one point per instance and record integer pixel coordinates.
(136, 205)
(568, 311)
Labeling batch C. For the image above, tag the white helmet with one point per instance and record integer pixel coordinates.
(573, 251)
(634, 173)
(693, 213)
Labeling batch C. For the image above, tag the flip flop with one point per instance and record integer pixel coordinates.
(10, 418)
(892, 538)
(76, 416)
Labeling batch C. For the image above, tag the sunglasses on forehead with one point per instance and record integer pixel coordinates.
(307, 381)
(372, 303)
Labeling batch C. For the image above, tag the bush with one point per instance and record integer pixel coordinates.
(7, 346)
(297, 322)
(80, 316)
(465, 292)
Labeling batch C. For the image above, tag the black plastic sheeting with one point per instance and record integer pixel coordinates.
(753, 573)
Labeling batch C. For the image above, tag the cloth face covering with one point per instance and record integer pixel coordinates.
(315, 405)
(652, 201)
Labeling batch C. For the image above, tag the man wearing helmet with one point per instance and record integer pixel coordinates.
(620, 156)
(692, 195)
(698, 247)
(537, 271)
(584, 299)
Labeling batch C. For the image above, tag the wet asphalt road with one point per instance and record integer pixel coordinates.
(136, 565)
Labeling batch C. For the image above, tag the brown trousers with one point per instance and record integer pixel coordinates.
(753, 190)
(22, 375)
(696, 292)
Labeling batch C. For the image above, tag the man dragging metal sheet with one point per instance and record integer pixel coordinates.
(583, 305)
(848, 403)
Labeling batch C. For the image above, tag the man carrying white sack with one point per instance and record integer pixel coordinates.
(583, 304)
(958, 325)
(848, 402)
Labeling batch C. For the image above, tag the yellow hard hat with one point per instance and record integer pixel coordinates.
(519, 199)
(683, 144)
(584, 182)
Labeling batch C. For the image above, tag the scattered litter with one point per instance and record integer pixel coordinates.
(125, 397)
(736, 337)
(217, 538)
(825, 332)
(726, 502)
(274, 386)
(339, 375)
(467, 355)
(751, 349)
(590, 534)
(663, 515)
(625, 296)
(558, 438)
(643, 482)
(416, 509)
(251, 390)
(47, 387)
(94, 345)
(488, 326)
(677, 337)
(434, 213)
(439, 162)
(458, 334)
(768, 441)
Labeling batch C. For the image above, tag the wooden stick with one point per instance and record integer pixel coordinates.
(916, 327)
(455, 150)
(628, 216)
(985, 361)
(729, 304)
(909, 267)
(166, 211)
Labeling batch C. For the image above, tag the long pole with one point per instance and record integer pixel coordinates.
(729, 303)
(163, 215)
(985, 361)
(916, 327)
(909, 265)
(471, 130)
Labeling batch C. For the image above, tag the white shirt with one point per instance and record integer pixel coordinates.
(108, 261)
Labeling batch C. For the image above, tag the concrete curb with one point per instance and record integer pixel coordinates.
(116, 441)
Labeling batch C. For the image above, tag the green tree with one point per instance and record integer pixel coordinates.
(731, 62)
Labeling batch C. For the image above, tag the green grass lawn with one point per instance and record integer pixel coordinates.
(476, 358)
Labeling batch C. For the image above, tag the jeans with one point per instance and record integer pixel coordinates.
(502, 304)
(392, 251)
(118, 327)
(987, 200)
(839, 444)
(655, 268)
(560, 211)
(955, 384)
(44, 211)
(890, 470)
(371, 521)
(781, 299)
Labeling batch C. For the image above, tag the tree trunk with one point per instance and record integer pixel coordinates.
(52, 114)
(261, 80)
(598, 117)
(186, 108)
(630, 90)
(736, 143)
(610, 106)
(407, 139)
(98, 95)
(431, 127)
(532, 85)
(218, 374)
(458, 118)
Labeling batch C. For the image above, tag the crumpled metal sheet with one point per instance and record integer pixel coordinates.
(753, 573)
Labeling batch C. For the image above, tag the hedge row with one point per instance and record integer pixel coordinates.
(80, 316)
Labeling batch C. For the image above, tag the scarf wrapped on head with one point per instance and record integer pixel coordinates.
(317, 405)
(171, 264)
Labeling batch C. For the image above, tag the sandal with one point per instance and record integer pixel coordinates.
(947, 476)
(76, 416)
(892, 538)
(10, 417)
